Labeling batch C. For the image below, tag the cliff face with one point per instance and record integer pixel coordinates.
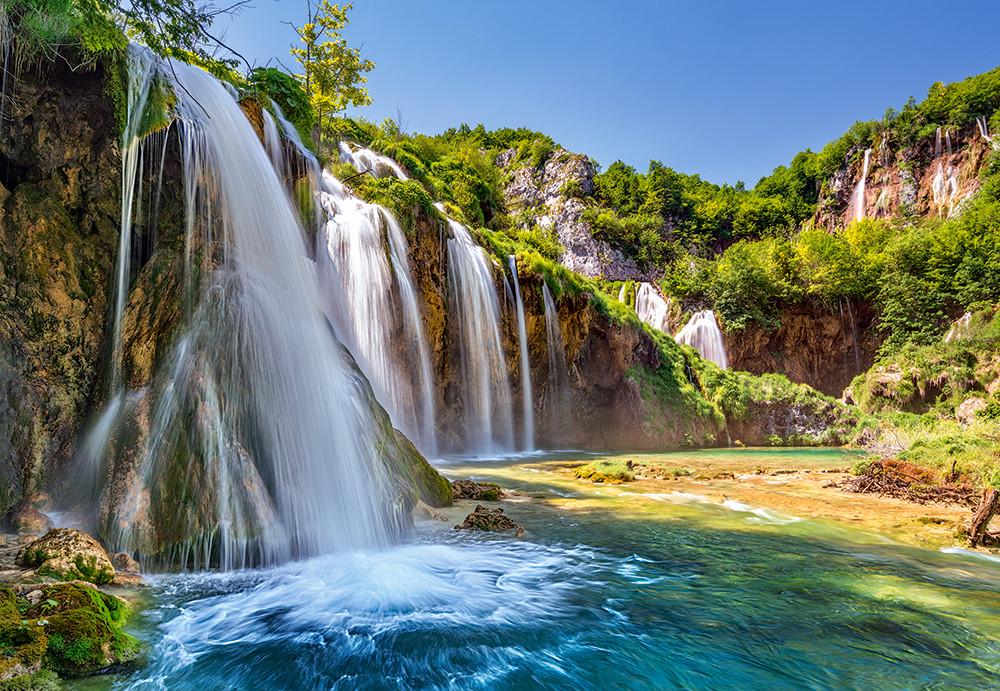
(814, 345)
(59, 204)
(551, 196)
(931, 179)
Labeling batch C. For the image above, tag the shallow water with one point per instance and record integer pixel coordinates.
(610, 588)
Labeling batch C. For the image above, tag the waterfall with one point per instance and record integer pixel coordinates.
(367, 161)
(984, 128)
(858, 198)
(959, 328)
(527, 403)
(703, 334)
(558, 373)
(651, 308)
(476, 308)
(260, 444)
(623, 293)
(366, 274)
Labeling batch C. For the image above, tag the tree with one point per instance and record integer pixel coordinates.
(333, 73)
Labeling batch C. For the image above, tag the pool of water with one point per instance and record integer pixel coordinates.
(609, 589)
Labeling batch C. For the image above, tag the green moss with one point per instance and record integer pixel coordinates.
(44, 680)
(606, 472)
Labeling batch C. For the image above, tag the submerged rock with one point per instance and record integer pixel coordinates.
(490, 520)
(480, 491)
(68, 554)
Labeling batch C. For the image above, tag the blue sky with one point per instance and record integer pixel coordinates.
(728, 90)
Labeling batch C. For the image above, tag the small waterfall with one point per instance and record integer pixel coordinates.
(702, 333)
(558, 371)
(858, 198)
(273, 143)
(959, 328)
(623, 293)
(374, 303)
(984, 128)
(259, 444)
(476, 308)
(527, 400)
(367, 161)
(651, 308)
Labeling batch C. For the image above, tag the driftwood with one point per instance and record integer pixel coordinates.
(988, 506)
(907, 481)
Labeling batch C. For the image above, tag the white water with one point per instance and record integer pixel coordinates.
(558, 372)
(623, 293)
(959, 328)
(702, 333)
(984, 128)
(858, 198)
(475, 306)
(367, 161)
(366, 277)
(652, 308)
(527, 399)
(261, 446)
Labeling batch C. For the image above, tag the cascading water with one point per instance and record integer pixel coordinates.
(367, 161)
(558, 371)
(944, 184)
(651, 308)
(984, 128)
(527, 400)
(366, 274)
(260, 443)
(858, 198)
(702, 333)
(476, 307)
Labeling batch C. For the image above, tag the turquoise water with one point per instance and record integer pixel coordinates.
(679, 594)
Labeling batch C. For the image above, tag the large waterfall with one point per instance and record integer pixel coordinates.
(258, 445)
(651, 308)
(486, 393)
(365, 272)
(858, 198)
(703, 334)
(527, 400)
(558, 373)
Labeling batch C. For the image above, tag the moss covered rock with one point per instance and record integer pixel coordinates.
(69, 554)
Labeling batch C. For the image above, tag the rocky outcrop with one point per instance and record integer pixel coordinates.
(934, 178)
(490, 521)
(551, 196)
(59, 204)
(815, 345)
(68, 554)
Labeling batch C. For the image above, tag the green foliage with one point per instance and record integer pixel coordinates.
(268, 83)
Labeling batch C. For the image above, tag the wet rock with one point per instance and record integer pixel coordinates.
(68, 554)
(423, 512)
(490, 520)
(25, 520)
(479, 491)
(966, 412)
(124, 563)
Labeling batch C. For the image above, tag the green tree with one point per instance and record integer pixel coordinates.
(333, 73)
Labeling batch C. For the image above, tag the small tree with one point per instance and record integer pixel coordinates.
(333, 73)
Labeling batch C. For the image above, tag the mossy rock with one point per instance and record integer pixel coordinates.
(45, 680)
(69, 554)
(22, 642)
(606, 472)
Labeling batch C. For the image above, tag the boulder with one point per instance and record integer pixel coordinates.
(966, 412)
(68, 554)
(479, 491)
(490, 520)
(26, 517)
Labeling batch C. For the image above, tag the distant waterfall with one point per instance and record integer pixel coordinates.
(365, 272)
(858, 198)
(259, 446)
(651, 308)
(558, 373)
(702, 333)
(527, 400)
(367, 161)
(476, 308)
(984, 128)
(944, 184)
(959, 328)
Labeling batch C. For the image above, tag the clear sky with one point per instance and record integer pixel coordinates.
(728, 90)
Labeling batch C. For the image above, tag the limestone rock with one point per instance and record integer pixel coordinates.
(966, 412)
(480, 491)
(490, 520)
(68, 554)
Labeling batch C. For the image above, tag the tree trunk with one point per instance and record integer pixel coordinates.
(988, 505)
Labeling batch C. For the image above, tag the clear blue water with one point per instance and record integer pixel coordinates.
(679, 596)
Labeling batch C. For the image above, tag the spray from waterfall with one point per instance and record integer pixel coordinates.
(703, 334)
(365, 272)
(652, 308)
(486, 396)
(558, 371)
(258, 443)
(527, 400)
(858, 198)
